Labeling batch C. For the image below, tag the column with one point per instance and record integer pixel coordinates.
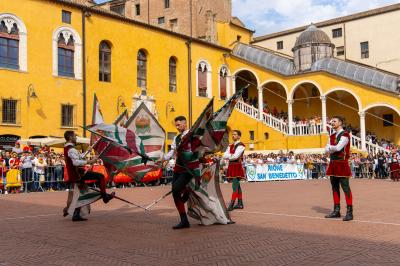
(362, 131)
(233, 84)
(260, 103)
(290, 116)
(323, 101)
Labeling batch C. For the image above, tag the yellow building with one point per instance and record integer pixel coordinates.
(52, 64)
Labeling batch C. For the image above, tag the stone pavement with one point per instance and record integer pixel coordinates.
(281, 224)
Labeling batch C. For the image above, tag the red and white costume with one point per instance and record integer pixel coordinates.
(234, 153)
(339, 149)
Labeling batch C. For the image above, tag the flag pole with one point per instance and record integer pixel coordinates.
(121, 199)
(158, 200)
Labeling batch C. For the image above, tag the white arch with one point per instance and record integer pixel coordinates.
(23, 40)
(209, 78)
(279, 82)
(301, 82)
(381, 105)
(359, 103)
(77, 53)
(246, 69)
(228, 82)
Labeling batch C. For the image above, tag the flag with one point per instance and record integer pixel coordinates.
(206, 203)
(208, 135)
(192, 147)
(82, 197)
(121, 119)
(151, 136)
(118, 135)
(97, 118)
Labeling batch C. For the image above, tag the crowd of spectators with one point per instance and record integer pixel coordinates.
(37, 168)
(42, 169)
(379, 166)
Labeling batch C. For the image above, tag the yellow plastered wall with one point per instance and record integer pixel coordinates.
(43, 115)
(228, 33)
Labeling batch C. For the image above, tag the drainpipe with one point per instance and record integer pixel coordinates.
(189, 59)
(84, 13)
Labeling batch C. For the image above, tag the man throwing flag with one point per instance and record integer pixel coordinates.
(339, 170)
(74, 163)
(234, 153)
(181, 176)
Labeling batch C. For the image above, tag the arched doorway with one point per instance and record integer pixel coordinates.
(305, 102)
(275, 99)
(242, 79)
(344, 103)
(382, 124)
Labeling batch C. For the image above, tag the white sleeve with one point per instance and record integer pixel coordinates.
(227, 153)
(76, 157)
(171, 153)
(328, 145)
(342, 143)
(238, 152)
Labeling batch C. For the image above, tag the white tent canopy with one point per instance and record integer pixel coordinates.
(52, 141)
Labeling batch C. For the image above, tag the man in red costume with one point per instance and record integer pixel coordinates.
(182, 175)
(338, 148)
(74, 162)
(234, 153)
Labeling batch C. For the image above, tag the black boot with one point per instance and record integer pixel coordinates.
(108, 197)
(349, 214)
(335, 213)
(184, 222)
(230, 207)
(239, 205)
(77, 216)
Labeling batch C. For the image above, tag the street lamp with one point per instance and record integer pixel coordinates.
(169, 108)
(120, 103)
(31, 93)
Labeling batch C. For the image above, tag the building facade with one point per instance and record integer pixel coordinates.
(51, 66)
(196, 18)
(366, 38)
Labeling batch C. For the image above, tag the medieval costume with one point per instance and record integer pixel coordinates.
(75, 163)
(180, 179)
(234, 153)
(394, 168)
(339, 171)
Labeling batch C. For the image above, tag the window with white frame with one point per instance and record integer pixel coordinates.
(223, 78)
(13, 42)
(67, 53)
(203, 79)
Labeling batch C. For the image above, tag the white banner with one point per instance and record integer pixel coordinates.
(270, 172)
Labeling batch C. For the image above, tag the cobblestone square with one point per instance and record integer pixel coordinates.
(282, 224)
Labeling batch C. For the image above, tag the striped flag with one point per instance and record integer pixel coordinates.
(149, 141)
(208, 135)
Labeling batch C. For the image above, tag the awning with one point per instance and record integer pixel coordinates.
(52, 141)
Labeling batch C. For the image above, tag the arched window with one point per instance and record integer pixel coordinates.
(172, 74)
(142, 69)
(66, 51)
(9, 45)
(104, 62)
(223, 73)
(203, 79)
